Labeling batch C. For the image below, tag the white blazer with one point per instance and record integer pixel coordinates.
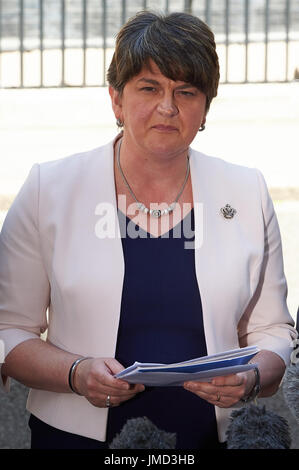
(52, 257)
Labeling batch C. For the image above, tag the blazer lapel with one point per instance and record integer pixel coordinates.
(211, 248)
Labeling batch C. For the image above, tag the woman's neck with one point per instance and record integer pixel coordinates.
(152, 172)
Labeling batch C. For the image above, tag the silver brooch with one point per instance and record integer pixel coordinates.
(228, 212)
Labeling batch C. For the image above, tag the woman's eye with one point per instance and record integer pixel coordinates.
(186, 93)
(148, 89)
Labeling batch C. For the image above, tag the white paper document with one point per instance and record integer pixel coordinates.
(202, 368)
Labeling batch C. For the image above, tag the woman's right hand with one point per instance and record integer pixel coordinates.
(94, 379)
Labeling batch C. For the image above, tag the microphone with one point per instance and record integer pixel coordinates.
(290, 389)
(141, 433)
(253, 427)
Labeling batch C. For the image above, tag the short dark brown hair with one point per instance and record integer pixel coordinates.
(182, 46)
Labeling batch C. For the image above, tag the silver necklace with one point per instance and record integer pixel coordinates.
(142, 208)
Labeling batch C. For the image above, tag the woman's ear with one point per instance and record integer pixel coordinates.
(116, 102)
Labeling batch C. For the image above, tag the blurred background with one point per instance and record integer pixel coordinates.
(54, 102)
(70, 42)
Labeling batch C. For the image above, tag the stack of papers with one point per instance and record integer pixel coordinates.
(202, 368)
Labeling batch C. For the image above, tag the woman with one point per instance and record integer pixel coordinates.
(147, 295)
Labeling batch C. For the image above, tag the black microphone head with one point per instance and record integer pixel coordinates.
(141, 433)
(290, 387)
(253, 427)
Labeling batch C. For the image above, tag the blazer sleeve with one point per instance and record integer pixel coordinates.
(24, 284)
(266, 321)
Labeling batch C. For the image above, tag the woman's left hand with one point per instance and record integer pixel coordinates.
(224, 391)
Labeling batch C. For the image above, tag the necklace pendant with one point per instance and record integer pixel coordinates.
(156, 213)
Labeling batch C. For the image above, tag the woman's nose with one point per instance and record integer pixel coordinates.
(167, 106)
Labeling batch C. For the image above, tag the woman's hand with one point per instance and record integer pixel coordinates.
(94, 379)
(224, 391)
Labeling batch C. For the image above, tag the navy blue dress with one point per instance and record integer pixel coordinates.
(161, 321)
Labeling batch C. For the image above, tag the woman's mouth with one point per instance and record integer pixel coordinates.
(163, 128)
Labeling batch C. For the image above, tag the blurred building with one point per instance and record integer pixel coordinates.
(70, 42)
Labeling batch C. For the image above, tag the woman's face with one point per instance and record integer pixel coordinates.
(160, 116)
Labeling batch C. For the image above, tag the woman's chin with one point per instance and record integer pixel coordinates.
(166, 146)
